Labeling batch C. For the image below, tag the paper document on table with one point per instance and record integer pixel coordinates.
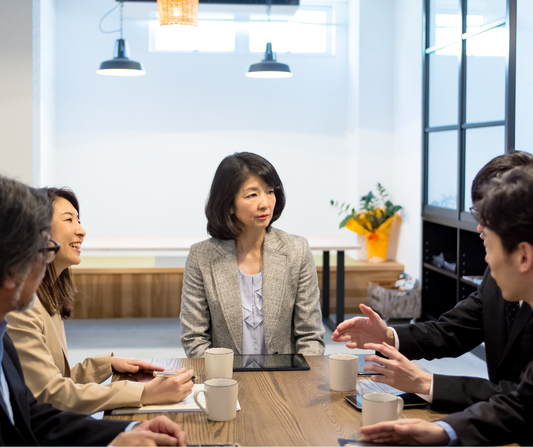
(187, 405)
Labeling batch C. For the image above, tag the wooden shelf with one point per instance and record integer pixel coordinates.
(442, 271)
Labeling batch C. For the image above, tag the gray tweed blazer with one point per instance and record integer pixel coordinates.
(211, 312)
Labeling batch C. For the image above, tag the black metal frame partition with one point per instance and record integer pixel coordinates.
(462, 126)
(458, 218)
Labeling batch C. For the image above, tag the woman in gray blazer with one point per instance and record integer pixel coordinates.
(251, 288)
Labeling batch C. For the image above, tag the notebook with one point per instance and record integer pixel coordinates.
(187, 405)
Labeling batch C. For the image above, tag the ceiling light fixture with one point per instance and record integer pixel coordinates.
(121, 64)
(178, 19)
(177, 12)
(269, 67)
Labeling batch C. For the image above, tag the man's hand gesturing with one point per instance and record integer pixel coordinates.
(359, 330)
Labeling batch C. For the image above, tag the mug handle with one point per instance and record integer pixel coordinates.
(204, 409)
(399, 410)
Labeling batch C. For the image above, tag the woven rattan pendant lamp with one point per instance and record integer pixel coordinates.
(178, 12)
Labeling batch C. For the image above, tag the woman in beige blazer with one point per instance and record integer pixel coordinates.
(251, 288)
(39, 336)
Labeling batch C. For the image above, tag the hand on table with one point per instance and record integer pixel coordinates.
(360, 330)
(171, 389)
(123, 365)
(154, 432)
(406, 431)
(397, 370)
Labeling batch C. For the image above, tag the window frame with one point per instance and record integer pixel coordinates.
(462, 125)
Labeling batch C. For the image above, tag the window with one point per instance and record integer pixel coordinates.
(210, 36)
(468, 119)
(307, 32)
(310, 31)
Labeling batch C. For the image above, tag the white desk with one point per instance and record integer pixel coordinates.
(172, 246)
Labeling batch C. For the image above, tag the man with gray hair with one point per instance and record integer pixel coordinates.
(25, 249)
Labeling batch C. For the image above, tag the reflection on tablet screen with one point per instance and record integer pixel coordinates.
(269, 362)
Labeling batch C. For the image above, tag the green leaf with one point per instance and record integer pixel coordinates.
(344, 221)
(332, 202)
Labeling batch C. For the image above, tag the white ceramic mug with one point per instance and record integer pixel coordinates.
(220, 399)
(218, 363)
(343, 371)
(380, 407)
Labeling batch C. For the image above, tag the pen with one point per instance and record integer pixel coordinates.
(170, 374)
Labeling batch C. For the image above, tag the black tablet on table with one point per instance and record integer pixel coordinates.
(270, 362)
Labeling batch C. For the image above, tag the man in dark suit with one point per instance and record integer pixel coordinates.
(25, 248)
(482, 317)
(507, 216)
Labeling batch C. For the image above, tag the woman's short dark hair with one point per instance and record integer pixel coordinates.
(496, 167)
(57, 294)
(506, 207)
(231, 174)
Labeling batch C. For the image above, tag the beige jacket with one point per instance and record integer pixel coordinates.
(211, 306)
(42, 347)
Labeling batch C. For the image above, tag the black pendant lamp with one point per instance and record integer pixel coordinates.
(121, 64)
(269, 67)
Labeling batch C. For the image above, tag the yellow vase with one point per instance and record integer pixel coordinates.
(376, 242)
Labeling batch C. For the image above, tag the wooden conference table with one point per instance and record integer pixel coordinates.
(277, 408)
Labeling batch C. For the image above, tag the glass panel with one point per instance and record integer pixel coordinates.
(485, 76)
(442, 169)
(482, 145)
(482, 12)
(524, 68)
(209, 36)
(444, 22)
(306, 32)
(443, 86)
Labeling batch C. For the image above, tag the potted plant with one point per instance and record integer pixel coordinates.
(373, 221)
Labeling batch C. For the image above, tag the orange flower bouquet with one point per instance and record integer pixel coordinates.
(373, 221)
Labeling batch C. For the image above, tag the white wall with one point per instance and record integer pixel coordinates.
(385, 113)
(141, 152)
(17, 89)
(47, 80)
(406, 161)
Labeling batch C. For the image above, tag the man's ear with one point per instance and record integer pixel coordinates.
(525, 257)
(9, 284)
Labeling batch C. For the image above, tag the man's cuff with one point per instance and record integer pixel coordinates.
(130, 427)
(454, 440)
(396, 339)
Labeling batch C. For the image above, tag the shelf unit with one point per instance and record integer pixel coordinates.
(442, 288)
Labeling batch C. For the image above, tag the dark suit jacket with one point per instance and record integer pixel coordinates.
(504, 419)
(42, 424)
(479, 318)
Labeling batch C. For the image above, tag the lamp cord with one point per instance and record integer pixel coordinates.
(268, 5)
(121, 4)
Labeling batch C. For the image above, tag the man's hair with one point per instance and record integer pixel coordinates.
(496, 167)
(507, 207)
(231, 174)
(24, 214)
(57, 294)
